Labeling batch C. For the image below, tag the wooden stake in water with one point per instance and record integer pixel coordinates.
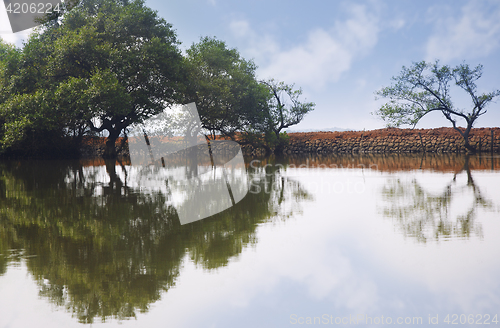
(492, 141)
(492, 158)
(421, 142)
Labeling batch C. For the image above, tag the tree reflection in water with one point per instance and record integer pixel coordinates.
(427, 216)
(103, 248)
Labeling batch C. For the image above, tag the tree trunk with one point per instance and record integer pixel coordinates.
(465, 136)
(110, 149)
(278, 150)
(115, 183)
(468, 146)
(280, 145)
(267, 149)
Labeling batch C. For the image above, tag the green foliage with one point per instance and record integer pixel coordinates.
(9, 61)
(273, 141)
(223, 86)
(103, 65)
(424, 88)
(284, 110)
(10, 58)
(116, 62)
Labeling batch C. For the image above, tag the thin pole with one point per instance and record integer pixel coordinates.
(492, 158)
(492, 141)
(421, 142)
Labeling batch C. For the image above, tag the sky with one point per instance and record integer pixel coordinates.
(340, 52)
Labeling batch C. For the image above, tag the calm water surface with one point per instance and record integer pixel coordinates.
(320, 240)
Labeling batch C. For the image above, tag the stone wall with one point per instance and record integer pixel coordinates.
(390, 140)
(390, 144)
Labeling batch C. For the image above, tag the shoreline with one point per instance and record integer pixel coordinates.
(380, 141)
(388, 141)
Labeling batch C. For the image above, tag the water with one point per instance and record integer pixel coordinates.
(323, 240)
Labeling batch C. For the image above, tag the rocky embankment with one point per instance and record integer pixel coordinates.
(391, 140)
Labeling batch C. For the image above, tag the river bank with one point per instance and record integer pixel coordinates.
(389, 140)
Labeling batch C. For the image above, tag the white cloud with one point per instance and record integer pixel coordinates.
(6, 31)
(4, 22)
(475, 33)
(397, 23)
(240, 28)
(322, 58)
(15, 38)
(261, 48)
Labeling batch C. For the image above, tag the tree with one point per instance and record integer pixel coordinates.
(284, 110)
(9, 60)
(26, 113)
(425, 87)
(103, 66)
(223, 86)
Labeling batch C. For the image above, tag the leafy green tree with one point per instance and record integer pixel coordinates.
(34, 121)
(25, 111)
(9, 61)
(103, 66)
(223, 86)
(424, 88)
(284, 110)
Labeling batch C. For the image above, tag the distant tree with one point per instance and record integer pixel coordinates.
(284, 110)
(222, 84)
(425, 87)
